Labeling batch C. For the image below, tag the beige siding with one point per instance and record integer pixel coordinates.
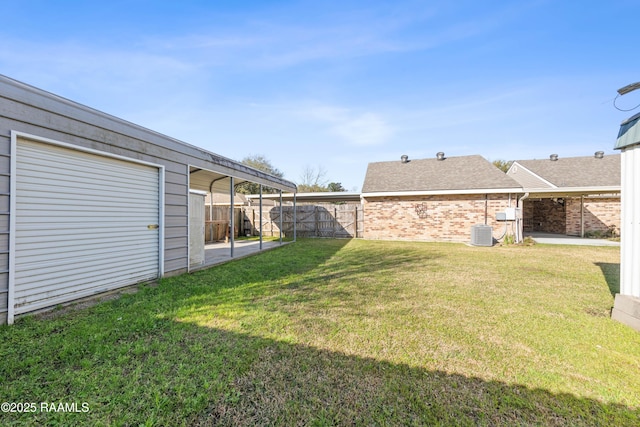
(525, 178)
(33, 112)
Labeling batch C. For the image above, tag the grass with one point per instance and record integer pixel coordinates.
(338, 332)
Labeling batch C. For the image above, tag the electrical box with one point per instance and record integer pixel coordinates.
(510, 214)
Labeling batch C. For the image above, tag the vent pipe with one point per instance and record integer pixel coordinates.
(440, 155)
(404, 158)
(553, 157)
(599, 154)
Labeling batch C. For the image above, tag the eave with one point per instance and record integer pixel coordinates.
(443, 192)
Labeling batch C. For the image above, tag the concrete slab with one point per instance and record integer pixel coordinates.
(626, 309)
(561, 239)
(218, 253)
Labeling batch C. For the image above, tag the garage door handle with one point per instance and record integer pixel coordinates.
(153, 226)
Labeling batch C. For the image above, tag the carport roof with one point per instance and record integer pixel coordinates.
(205, 179)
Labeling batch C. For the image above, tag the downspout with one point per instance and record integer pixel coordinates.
(520, 231)
(582, 216)
(486, 208)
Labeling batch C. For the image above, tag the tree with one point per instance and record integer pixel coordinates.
(313, 180)
(503, 165)
(335, 187)
(260, 162)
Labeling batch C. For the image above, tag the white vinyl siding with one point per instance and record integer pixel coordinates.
(84, 224)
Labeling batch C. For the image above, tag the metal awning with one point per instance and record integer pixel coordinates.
(318, 197)
(210, 180)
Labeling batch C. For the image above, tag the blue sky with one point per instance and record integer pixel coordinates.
(336, 85)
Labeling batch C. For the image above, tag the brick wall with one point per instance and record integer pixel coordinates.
(432, 218)
(548, 216)
(600, 214)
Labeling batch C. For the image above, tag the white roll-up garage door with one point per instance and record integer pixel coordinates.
(84, 224)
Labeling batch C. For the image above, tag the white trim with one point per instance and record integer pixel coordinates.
(12, 230)
(577, 190)
(561, 190)
(12, 204)
(443, 192)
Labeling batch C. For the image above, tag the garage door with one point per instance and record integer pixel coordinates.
(84, 224)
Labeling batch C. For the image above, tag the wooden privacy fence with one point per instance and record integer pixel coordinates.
(321, 220)
(216, 225)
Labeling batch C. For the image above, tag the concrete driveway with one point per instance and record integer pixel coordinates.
(561, 239)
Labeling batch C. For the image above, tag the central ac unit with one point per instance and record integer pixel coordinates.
(481, 235)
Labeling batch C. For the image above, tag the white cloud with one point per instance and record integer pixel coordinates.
(364, 129)
(361, 129)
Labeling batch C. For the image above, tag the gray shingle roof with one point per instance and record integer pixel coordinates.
(452, 173)
(587, 171)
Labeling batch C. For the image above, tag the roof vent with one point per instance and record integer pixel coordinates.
(553, 157)
(440, 155)
(404, 158)
(599, 154)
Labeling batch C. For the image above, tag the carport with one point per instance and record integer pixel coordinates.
(564, 211)
(206, 181)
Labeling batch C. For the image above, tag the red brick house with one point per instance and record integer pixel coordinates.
(437, 199)
(576, 196)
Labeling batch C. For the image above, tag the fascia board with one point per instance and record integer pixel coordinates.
(444, 192)
(574, 190)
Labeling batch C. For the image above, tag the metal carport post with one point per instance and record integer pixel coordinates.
(231, 222)
(280, 226)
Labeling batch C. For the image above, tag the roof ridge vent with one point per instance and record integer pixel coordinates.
(553, 157)
(440, 155)
(404, 158)
(599, 154)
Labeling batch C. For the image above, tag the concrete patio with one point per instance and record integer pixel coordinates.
(220, 252)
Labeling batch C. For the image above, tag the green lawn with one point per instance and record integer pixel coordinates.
(339, 332)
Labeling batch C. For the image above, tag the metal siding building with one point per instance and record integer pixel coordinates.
(90, 202)
(626, 308)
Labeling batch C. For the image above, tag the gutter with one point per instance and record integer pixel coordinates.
(575, 191)
(443, 192)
